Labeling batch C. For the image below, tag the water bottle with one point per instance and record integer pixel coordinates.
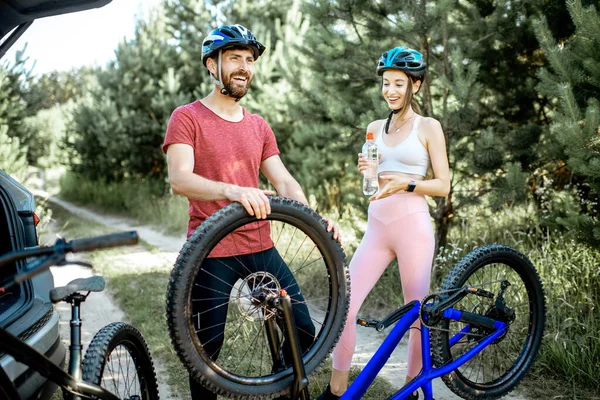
(370, 181)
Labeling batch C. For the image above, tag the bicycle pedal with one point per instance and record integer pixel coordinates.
(367, 322)
(481, 292)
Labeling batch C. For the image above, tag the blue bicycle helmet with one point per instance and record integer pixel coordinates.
(228, 36)
(404, 59)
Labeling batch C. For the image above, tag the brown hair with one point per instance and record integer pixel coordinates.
(409, 102)
(409, 99)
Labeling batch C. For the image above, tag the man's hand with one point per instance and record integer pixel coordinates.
(255, 201)
(337, 235)
(393, 184)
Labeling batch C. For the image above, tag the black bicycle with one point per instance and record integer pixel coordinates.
(117, 363)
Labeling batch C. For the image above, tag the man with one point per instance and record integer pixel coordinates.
(215, 149)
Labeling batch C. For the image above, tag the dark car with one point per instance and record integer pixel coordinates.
(27, 311)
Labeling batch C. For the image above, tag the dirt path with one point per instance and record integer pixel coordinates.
(99, 308)
(368, 340)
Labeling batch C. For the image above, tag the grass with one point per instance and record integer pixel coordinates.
(141, 200)
(570, 356)
(140, 292)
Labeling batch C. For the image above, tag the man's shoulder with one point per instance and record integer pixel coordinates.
(188, 108)
(254, 117)
(257, 122)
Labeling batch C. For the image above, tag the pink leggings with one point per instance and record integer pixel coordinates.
(399, 226)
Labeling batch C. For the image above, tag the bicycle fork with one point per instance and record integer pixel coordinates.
(283, 303)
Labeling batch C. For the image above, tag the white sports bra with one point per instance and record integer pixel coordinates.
(409, 156)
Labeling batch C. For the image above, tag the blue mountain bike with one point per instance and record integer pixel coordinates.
(481, 331)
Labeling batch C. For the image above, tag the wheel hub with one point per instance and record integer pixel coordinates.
(253, 293)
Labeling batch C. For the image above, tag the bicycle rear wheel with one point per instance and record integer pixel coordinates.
(237, 359)
(499, 367)
(119, 361)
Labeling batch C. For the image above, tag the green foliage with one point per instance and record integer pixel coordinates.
(13, 155)
(57, 87)
(573, 80)
(474, 82)
(137, 199)
(570, 351)
(118, 128)
(13, 108)
(50, 127)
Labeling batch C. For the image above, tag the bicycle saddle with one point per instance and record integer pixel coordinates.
(92, 284)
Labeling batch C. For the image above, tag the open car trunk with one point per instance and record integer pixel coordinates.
(17, 15)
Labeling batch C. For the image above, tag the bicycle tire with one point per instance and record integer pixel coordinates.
(107, 347)
(523, 337)
(210, 373)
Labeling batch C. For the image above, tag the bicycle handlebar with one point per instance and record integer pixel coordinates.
(56, 253)
(102, 242)
(74, 246)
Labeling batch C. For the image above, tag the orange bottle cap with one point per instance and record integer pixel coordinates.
(369, 135)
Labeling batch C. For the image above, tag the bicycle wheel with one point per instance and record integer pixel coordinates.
(237, 359)
(118, 360)
(499, 367)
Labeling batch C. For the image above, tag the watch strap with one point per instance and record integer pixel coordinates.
(411, 186)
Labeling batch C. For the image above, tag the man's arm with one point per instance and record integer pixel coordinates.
(282, 180)
(287, 186)
(180, 161)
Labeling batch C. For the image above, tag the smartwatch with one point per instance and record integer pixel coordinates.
(411, 186)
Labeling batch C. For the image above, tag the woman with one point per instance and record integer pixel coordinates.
(399, 225)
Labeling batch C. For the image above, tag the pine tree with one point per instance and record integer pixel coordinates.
(118, 128)
(13, 106)
(572, 81)
(481, 86)
(279, 25)
(344, 94)
(13, 155)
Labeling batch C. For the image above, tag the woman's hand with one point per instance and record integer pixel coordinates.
(393, 184)
(363, 163)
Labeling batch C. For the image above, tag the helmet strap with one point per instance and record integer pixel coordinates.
(389, 119)
(219, 81)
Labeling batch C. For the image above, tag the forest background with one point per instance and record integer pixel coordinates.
(514, 83)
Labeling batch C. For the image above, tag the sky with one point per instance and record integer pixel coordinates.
(72, 40)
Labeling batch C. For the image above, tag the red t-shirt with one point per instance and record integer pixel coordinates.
(229, 152)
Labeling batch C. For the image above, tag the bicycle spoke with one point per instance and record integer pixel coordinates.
(307, 314)
(251, 347)
(286, 251)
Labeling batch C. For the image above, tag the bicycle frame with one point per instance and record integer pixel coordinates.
(366, 377)
(27, 355)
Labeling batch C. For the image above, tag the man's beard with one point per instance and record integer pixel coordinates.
(236, 90)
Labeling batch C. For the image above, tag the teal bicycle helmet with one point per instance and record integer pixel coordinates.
(404, 59)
